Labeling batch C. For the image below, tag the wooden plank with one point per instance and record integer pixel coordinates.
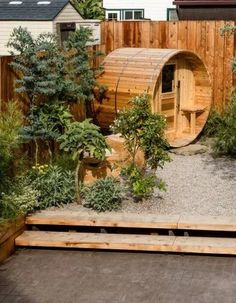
(8, 232)
(127, 242)
(104, 220)
(203, 245)
(95, 241)
(184, 222)
(213, 223)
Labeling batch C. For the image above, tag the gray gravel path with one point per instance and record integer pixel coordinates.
(197, 185)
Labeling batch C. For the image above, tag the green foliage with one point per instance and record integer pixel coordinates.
(103, 195)
(39, 65)
(214, 123)
(141, 183)
(225, 142)
(55, 185)
(90, 9)
(11, 120)
(83, 138)
(48, 72)
(20, 201)
(143, 130)
(47, 121)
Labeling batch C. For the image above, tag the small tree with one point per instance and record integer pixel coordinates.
(83, 139)
(143, 130)
(47, 72)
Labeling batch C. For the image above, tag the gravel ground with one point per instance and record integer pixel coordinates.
(197, 185)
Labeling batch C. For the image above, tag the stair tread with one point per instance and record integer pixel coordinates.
(71, 218)
(128, 242)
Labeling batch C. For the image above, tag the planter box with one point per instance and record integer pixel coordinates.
(9, 230)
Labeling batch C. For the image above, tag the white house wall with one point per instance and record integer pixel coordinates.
(153, 9)
(35, 27)
(67, 15)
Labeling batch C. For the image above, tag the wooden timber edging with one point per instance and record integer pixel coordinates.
(156, 243)
(175, 222)
(9, 231)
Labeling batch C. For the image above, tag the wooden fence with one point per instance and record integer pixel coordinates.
(202, 37)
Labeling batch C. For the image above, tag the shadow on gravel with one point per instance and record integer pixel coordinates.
(223, 166)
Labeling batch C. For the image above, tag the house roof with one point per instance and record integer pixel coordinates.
(31, 10)
(205, 2)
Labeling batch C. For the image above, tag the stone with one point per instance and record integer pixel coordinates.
(190, 150)
(114, 160)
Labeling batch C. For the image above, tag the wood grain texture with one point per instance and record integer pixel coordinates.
(128, 242)
(129, 72)
(8, 233)
(183, 222)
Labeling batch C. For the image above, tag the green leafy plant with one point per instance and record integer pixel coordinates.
(20, 201)
(90, 9)
(105, 194)
(143, 130)
(225, 140)
(55, 185)
(46, 122)
(214, 123)
(83, 139)
(11, 120)
(48, 72)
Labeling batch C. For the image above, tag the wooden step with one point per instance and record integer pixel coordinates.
(69, 218)
(128, 242)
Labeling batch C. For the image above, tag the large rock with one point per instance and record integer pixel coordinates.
(190, 150)
(114, 161)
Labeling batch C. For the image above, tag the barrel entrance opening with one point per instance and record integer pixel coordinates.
(183, 98)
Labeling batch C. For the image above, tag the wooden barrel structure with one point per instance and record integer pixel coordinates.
(177, 82)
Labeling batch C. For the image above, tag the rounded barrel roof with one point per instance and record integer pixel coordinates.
(136, 70)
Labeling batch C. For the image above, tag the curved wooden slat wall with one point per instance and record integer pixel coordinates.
(132, 71)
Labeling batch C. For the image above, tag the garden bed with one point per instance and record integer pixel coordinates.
(196, 185)
(9, 230)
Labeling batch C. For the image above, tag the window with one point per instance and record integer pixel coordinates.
(172, 14)
(112, 16)
(168, 77)
(138, 15)
(65, 30)
(128, 15)
(133, 14)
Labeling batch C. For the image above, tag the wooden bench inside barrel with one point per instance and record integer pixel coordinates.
(191, 112)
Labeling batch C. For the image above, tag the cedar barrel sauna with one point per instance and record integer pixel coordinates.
(177, 82)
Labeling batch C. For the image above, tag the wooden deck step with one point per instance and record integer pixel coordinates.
(68, 218)
(128, 242)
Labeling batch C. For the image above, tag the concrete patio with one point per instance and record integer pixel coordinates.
(40, 276)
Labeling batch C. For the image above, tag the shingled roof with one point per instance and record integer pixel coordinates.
(31, 10)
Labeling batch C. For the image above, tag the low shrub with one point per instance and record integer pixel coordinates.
(11, 120)
(103, 195)
(214, 123)
(142, 183)
(55, 185)
(225, 142)
(22, 200)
